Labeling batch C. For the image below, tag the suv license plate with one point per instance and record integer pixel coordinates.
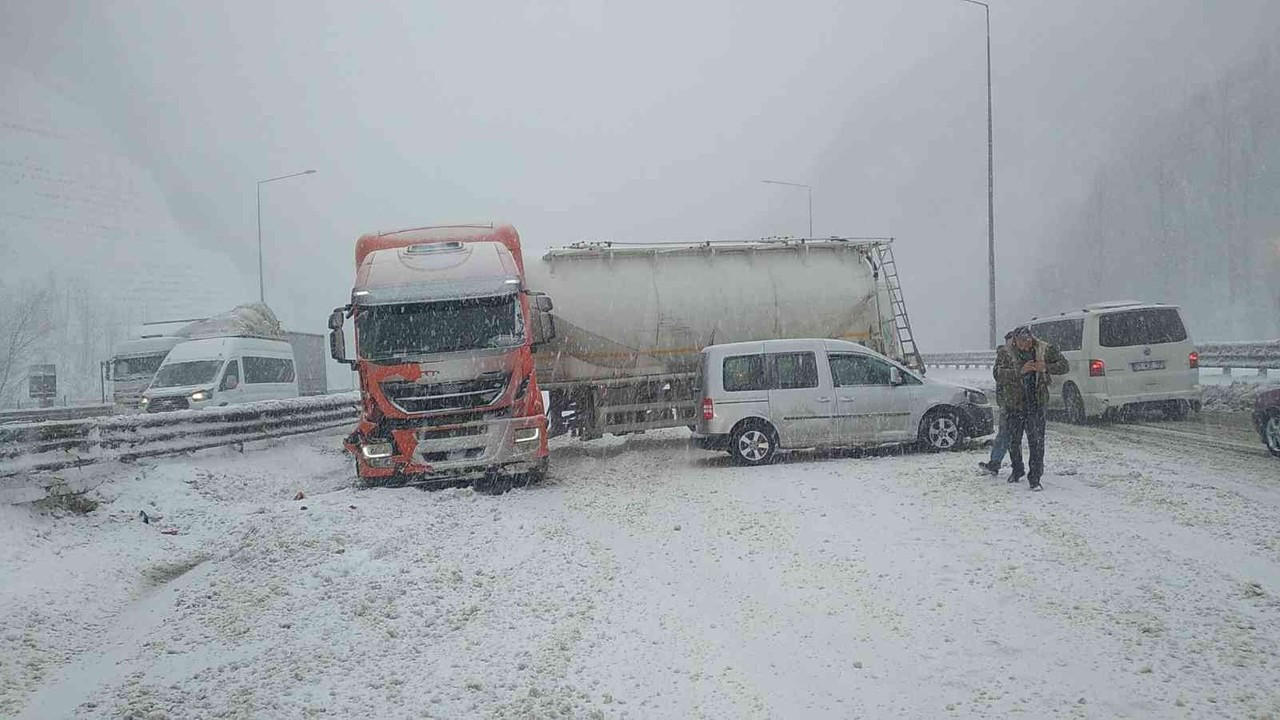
(1148, 365)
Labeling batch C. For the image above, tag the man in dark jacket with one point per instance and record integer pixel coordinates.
(1023, 377)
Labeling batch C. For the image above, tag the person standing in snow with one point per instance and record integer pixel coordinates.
(1000, 445)
(1024, 379)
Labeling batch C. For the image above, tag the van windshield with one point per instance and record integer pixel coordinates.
(136, 367)
(384, 332)
(1152, 326)
(182, 374)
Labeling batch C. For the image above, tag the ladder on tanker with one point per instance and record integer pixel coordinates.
(910, 354)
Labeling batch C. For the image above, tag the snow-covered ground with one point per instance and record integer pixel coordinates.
(648, 580)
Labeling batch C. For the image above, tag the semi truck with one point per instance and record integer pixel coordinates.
(457, 335)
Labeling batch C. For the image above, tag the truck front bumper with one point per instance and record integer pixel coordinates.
(454, 453)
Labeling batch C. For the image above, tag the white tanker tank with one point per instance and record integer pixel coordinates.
(631, 320)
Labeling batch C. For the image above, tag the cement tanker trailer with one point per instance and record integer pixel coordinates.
(631, 320)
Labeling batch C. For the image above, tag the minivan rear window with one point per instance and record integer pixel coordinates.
(1066, 335)
(745, 372)
(1151, 326)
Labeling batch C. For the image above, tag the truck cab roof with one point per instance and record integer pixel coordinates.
(427, 272)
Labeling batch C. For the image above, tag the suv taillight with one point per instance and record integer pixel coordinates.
(708, 409)
(1097, 368)
(1194, 360)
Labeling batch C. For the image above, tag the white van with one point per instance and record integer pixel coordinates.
(759, 397)
(215, 372)
(1123, 355)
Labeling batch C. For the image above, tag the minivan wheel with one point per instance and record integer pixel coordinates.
(1074, 404)
(1176, 410)
(940, 430)
(1272, 432)
(753, 443)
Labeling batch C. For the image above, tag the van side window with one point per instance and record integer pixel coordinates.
(795, 370)
(267, 370)
(1066, 335)
(852, 369)
(744, 372)
(231, 378)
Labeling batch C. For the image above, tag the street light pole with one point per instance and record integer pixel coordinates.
(262, 298)
(809, 188)
(991, 192)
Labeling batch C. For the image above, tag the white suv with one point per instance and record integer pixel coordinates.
(759, 397)
(1123, 355)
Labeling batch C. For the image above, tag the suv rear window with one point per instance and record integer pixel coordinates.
(744, 372)
(1065, 335)
(1152, 326)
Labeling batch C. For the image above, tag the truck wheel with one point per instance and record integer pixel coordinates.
(753, 443)
(940, 430)
(1074, 403)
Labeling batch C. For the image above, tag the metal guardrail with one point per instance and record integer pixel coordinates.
(71, 412)
(30, 451)
(1261, 356)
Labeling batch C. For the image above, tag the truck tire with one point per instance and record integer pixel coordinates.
(753, 442)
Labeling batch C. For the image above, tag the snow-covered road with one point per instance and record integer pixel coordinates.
(648, 580)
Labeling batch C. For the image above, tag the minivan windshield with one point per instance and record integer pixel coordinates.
(389, 331)
(1150, 326)
(182, 374)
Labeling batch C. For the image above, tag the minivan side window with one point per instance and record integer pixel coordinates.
(795, 370)
(1066, 335)
(267, 370)
(851, 369)
(744, 372)
(1150, 326)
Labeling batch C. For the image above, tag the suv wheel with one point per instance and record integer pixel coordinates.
(754, 443)
(940, 430)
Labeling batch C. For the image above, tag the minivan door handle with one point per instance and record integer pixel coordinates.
(824, 399)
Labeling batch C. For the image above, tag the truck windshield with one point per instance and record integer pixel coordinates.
(182, 374)
(390, 331)
(131, 368)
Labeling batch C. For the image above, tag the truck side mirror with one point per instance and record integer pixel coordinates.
(338, 346)
(544, 326)
(336, 318)
(542, 303)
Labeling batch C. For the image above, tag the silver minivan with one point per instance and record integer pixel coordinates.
(761, 397)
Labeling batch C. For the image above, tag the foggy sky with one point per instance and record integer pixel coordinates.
(653, 121)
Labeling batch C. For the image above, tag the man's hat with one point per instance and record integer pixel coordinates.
(1008, 335)
(1023, 331)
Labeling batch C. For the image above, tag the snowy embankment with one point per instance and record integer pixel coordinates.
(647, 580)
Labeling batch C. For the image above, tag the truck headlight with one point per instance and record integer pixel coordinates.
(975, 397)
(377, 449)
(201, 395)
(527, 435)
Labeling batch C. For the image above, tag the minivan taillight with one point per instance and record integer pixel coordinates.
(1097, 368)
(1193, 360)
(708, 409)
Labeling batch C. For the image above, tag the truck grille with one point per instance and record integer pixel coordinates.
(413, 397)
(165, 404)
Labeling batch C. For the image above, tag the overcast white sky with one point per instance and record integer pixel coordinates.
(632, 121)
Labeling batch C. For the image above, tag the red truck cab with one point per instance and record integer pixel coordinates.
(444, 331)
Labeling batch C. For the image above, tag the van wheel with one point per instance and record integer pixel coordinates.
(1271, 432)
(1177, 410)
(753, 443)
(940, 430)
(1074, 404)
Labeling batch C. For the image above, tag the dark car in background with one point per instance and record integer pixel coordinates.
(1266, 417)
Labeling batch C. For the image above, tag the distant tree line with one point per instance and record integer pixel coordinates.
(1189, 214)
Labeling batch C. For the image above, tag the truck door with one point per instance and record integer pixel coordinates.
(801, 404)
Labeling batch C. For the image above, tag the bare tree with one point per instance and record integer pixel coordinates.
(25, 320)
